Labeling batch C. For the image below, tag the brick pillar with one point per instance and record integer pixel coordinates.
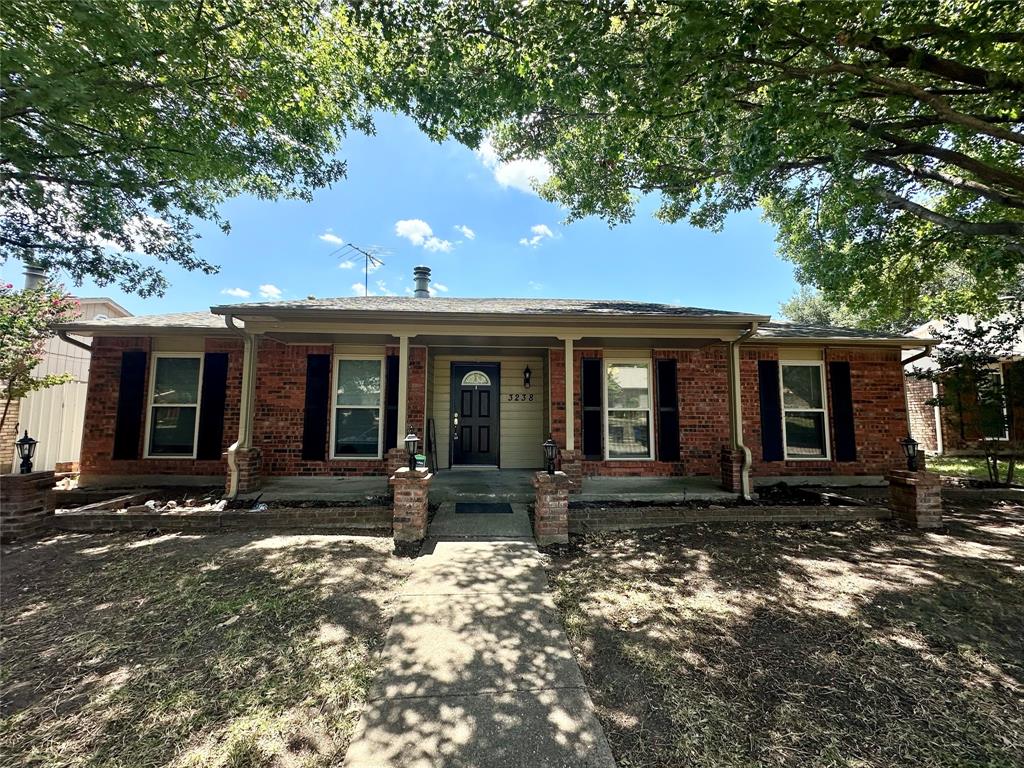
(551, 508)
(412, 490)
(26, 504)
(916, 497)
(732, 469)
(571, 463)
(249, 462)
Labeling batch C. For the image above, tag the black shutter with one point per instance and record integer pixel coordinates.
(391, 402)
(668, 411)
(771, 410)
(131, 398)
(590, 395)
(211, 408)
(314, 423)
(842, 410)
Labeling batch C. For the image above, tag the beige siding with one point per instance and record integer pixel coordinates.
(521, 424)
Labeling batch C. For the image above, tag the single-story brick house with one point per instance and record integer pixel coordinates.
(329, 387)
(961, 423)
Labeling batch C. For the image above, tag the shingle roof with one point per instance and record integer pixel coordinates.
(782, 329)
(602, 307)
(175, 320)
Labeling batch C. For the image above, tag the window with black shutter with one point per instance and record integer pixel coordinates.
(590, 395)
(668, 411)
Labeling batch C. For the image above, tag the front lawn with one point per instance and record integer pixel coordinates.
(823, 645)
(241, 650)
(960, 466)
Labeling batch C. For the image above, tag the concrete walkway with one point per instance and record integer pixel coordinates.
(477, 669)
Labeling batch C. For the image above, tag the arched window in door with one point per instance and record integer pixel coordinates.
(476, 379)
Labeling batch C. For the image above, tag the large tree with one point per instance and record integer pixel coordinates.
(123, 122)
(884, 139)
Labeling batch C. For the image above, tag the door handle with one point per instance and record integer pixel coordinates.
(455, 424)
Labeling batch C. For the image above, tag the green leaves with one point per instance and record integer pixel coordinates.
(123, 122)
(883, 139)
(28, 320)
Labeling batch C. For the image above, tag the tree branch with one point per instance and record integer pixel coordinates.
(1010, 230)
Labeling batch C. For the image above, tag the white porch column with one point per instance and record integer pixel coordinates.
(570, 416)
(403, 388)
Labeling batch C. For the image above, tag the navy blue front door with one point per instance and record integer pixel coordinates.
(475, 393)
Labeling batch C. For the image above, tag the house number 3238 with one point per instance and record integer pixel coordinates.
(520, 397)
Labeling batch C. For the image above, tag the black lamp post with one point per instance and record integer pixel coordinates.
(411, 444)
(26, 450)
(550, 450)
(527, 375)
(909, 446)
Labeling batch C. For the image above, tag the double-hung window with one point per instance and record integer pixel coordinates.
(804, 415)
(357, 429)
(174, 392)
(627, 395)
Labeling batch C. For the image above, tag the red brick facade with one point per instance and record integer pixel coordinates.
(703, 393)
(101, 411)
(921, 415)
(880, 414)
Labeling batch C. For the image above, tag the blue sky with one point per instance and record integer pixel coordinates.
(408, 195)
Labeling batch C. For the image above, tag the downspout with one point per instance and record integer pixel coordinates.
(244, 405)
(63, 336)
(735, 392)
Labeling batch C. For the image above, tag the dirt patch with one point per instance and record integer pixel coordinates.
(819, 644)
(190, 650)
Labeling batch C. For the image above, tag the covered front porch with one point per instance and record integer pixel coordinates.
(508, 485)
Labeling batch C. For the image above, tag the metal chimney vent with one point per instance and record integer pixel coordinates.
(421, 279)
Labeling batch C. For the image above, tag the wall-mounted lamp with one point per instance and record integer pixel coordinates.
(527, 375)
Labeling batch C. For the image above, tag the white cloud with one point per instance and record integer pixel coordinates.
(382, 286)
(539, 232)
(440, 287)
(241, 293)
(467, 233)
(346, 264)
(360, 290)
(522, 174)
(270, 291)
(330, 237)
(418, 232)
(534, 285)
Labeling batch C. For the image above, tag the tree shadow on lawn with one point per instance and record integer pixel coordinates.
(842, 644)
(236, 649)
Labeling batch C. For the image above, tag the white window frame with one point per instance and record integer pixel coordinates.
(150, 405)
(333, 410)
(997, 369)
(820, 365)
(649, 409)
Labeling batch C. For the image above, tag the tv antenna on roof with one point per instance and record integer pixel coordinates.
(371, 260)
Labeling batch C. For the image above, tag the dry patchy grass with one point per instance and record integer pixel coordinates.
(236, 650)
(824, 645)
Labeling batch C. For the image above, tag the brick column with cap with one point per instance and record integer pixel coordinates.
(732, 469)
(411, 489)
(916, 497)
(551, 508)
(26, 504)
(249, 462)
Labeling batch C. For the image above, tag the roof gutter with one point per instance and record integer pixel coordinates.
(244, 405)
(737, 408)
(63, 336)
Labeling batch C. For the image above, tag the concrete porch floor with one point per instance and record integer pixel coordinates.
(511, 485)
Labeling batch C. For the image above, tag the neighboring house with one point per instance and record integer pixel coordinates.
(54, 416)
(330, 387)
(958, 425)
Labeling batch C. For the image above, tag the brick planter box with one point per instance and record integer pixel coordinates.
(624, 518)
(296, 518)
(26, 504)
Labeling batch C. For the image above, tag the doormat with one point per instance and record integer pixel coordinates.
(483, 508)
